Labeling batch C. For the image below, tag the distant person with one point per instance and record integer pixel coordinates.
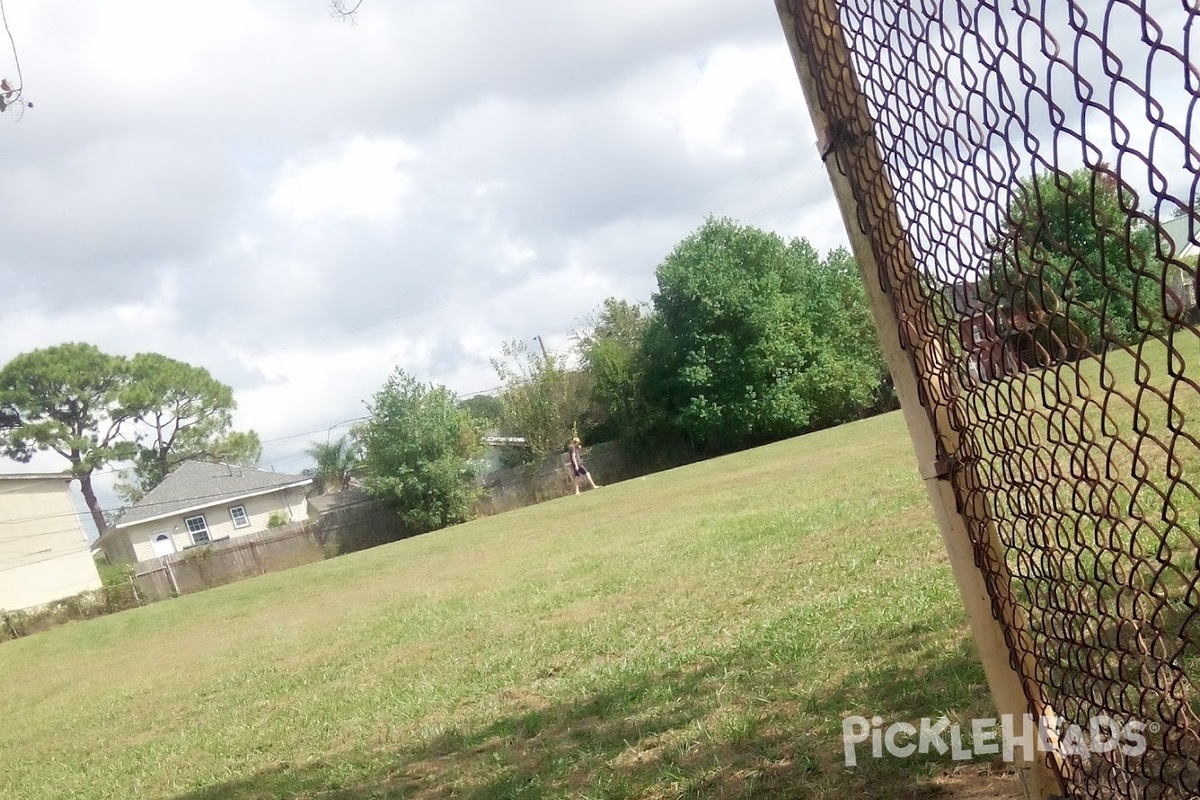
(578, 470)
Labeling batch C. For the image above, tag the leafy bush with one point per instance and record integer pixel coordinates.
(417, 446)
(86, 605)
(1077, 262)
(114, 574)
(542, 397)
(755, 338)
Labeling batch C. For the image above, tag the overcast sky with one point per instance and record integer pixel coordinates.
(300, 204)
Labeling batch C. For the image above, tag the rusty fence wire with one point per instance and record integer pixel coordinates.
(1030, 198)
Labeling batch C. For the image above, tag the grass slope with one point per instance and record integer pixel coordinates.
(697, 633)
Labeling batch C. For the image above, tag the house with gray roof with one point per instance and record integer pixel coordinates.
(1181, 280)
(200, 503)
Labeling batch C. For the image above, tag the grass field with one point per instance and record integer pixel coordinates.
(1100, 462)
(697, 633)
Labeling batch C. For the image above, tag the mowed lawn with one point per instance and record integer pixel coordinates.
(696, 633)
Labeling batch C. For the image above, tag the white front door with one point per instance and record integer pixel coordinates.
(163, 543)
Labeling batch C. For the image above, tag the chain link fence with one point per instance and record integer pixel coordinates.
(1026, 174)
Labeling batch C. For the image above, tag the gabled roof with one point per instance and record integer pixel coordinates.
(964, 297)
(196, 485)
(336, 501)
(1177, 230)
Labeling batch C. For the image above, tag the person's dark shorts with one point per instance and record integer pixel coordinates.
(580, 471)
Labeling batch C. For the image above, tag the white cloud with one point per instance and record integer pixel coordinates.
(367, 179)
(301, 205)
(707, 112)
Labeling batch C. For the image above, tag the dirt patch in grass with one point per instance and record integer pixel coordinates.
(978, 783)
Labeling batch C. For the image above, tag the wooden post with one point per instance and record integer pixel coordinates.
(846, 135)
(171, 578)
(258, 564)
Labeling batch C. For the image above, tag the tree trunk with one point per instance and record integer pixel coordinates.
(89, 497)
(164, 466)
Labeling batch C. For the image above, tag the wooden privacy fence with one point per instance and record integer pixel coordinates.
(609, 462)
(1019, 184)
(229, 560)
(350, 521)
(345, 523)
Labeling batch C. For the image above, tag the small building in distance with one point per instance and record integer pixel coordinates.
(987, 354)
(202, 502)
(44, 552)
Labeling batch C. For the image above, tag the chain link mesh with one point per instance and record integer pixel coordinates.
(1029, 196)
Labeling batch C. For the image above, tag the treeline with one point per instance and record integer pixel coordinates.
(749, 338)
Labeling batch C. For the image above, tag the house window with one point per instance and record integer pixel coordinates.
(240, 520)
(198, 528)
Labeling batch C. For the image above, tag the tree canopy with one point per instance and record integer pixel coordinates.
(416, 450)
(486, 409)
(179, 413)
(67, 400)
(611, 351)
(755, 338)
(542, 398)
(1077, 260)
(96, 409)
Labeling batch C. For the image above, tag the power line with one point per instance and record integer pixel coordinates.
(141, 506)
(796, 183)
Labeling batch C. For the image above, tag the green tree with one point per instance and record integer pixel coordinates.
(9, 418)
(611, 351)
(180, 413)
(1077, 262)
(616, 320)
(417, 445)
(337, 463)
(541, 399)
(755, 338)
(66, 400)
(486, 409)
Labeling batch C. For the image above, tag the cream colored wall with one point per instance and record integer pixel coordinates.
(117, 549)
(297, 504)
(44, 553)
(220, 524)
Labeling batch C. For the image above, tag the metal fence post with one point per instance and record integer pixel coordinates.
(817, 43)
